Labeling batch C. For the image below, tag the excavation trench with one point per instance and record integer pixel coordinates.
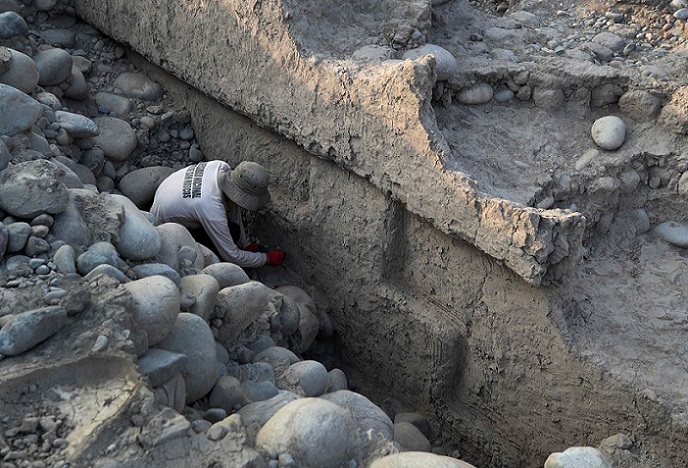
(458, 292)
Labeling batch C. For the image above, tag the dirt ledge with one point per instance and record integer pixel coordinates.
(373, 120)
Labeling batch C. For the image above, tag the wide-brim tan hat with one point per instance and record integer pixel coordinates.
(247, 185)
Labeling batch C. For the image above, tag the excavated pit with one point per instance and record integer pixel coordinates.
(482, 274)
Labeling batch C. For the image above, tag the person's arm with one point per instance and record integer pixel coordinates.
(228, 250)
(213, 218)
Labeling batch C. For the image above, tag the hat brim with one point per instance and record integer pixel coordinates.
(242, 198)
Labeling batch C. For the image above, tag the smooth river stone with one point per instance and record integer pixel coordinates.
(673, 233)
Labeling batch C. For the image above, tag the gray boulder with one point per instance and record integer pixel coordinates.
(673, 233)
(445, 63)
(239, 306)
(32, 188)
(417, 420)
(94, 160)
(309, 377)
(309, 325)
(145, 270)
(192, 337)
(140, 185)
(290, 318)
(204, 288)
(172, 393)
(19, 111)
(82, 63)
(65, 259)
(173, 237)
(54, 66)
(418, 460)
(639, 105)
(227, 274)
(45, 5)
(297, 295)
(227, 394)
(577, 457)
(261, 343)
(609, 132)
(59, 37)
(366, 414)
(120, 105)
(70, 226)
(108, 270)
(254, 372)
(610, 40)
(49, 99)
(67, 176)
(336, 380)
(22, 73)
(479, 93)
(116, 138)
(259, 391)
(410, 438)
(12, 24)
(26, 330)
(156, 300)
(76, 125)
(78, 88)
(314, 431)
(100, 253)
(139, 86)
(260, 412)
(159, 365)
(17, 233)
(138, 239)
(278, 358)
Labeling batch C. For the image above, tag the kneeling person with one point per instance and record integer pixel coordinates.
(209, 195)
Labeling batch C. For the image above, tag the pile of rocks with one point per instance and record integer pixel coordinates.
(84, 142)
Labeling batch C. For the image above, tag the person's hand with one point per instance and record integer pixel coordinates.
(256, 248)
(275, 257)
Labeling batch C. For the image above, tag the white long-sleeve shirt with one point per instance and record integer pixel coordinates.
(193, 198)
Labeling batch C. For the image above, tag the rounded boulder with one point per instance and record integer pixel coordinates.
(157, 306)
(204, 288)
(315, 432)
(173, 237)
(309, 376)
(608, 132)
(418, 460)
(19, 111)
(365, 412)
(140, 185)
(12, 24)
(139, 86)
(138, 239)
(54, 66)
(192, 336)
(479, 93)
(116, 138)
(22, 73)
(445, 63)
(32, 188)
(227, 274)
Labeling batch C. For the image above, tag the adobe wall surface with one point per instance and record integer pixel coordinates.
(283, 64)
(427, 322)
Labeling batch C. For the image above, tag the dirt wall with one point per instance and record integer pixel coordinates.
(427, 322)
(274, 62)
